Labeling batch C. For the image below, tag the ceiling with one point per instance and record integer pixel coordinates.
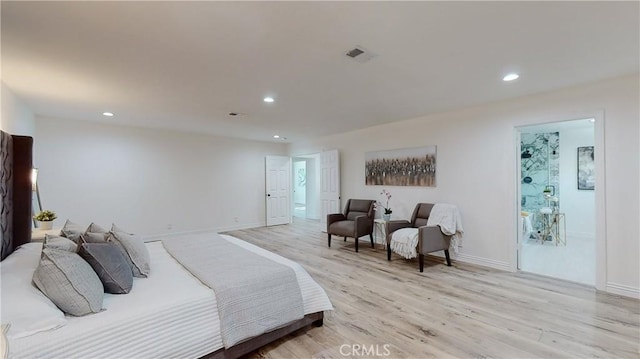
(187, 65)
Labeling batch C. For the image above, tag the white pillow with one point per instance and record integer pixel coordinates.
(94, 234)
(23, 305)
(4, 343)
(61, 243)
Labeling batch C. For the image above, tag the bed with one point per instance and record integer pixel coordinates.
(171, 313)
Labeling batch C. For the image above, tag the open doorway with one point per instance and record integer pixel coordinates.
(306, 186)
(300, 188)
(557, 191)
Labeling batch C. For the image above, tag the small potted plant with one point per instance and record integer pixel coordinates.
(45, 219)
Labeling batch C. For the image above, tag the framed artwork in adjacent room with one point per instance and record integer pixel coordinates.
(586, 168)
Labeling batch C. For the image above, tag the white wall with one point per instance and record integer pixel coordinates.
(16, 117)
(146, 180)
(578, 205)
(476, 170)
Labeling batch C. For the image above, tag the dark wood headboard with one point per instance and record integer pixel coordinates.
(15, 191)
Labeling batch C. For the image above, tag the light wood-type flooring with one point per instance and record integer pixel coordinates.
(391, 310)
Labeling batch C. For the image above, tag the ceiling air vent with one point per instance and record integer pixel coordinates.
(359, 54)
(355, 52)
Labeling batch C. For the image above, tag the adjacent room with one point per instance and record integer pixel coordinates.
(265, 179)
(558, 206)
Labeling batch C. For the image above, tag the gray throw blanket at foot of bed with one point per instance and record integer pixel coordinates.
(254, 294)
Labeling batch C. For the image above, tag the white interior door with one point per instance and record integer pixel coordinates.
(329, 185)
(278, 185)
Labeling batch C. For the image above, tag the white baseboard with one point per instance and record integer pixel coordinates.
(623, 290)
(242, 226)
(157, 236)
(491, 263)
(153, 237)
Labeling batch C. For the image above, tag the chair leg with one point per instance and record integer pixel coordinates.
(345, 239)
(329, 239)
(372, 245)
(446, 254)
(388, 251)
(421, 261)
(356, 245)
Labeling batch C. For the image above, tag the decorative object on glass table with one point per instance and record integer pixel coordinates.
(387, 210)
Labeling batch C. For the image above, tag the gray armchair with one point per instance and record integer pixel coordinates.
(430, 239)
(355, 222)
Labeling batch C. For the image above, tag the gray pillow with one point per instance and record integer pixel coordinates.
(93, 237)
(124, 253)
(115, 228)
(94, 234)
(110, 266)
(72, 231)
(61, 243)
(69, 282)
(94, 228)
(134, 249)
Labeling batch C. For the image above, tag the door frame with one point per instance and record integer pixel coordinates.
(600, 192)
(329, 203)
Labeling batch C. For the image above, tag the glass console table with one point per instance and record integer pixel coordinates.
(379, 231)
(552, 223)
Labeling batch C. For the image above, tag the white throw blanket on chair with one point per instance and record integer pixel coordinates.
(448, 218)
(404, 242)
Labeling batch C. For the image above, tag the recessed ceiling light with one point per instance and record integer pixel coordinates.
(510, 77)
(268, 99)
(108, 114)
(276, 136)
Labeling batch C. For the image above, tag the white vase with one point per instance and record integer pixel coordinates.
(386, 217)
(45, 226)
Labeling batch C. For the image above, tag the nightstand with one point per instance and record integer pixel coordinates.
(37, 235)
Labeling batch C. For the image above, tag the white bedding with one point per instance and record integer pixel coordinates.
(168, 314)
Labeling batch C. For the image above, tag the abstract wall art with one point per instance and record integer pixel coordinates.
(586, 168)
(404, 167)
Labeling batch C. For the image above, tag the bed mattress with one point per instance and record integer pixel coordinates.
(170, 314)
